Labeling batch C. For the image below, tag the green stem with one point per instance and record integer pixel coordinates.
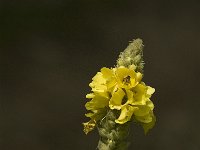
(113, 136)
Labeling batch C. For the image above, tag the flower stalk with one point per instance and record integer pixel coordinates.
(112, 135)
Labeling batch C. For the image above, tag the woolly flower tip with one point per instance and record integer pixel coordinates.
(132, 55)
(120, 89)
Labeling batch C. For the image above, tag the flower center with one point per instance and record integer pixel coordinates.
(126, 80)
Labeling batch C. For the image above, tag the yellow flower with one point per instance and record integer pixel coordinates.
(121, 89)
(127, 78)
(136, 104)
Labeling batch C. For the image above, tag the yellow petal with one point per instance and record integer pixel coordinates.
(126, 114)
(140, 95)
(91, 95)
(99, 83)
(150, 91)
(97, 102)
(116, 99)
(150, 104)
(138, 77)
(111, 85)
(107, 73)
(132, 67)
(99, 79)
(130, 99)
(132, 82)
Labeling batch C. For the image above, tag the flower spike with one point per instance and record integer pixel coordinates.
(118, 97)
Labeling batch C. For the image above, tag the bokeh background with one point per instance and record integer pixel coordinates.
(50, 50)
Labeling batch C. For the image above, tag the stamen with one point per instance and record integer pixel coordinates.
(126, 80)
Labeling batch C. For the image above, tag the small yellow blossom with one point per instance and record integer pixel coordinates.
(140, 106)
(88, 126)
(127, 78)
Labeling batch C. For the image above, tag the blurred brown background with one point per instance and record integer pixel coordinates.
(50, 50)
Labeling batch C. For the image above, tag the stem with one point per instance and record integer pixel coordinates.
(113, 136)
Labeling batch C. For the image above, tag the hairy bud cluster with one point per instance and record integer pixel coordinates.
(132, 55)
